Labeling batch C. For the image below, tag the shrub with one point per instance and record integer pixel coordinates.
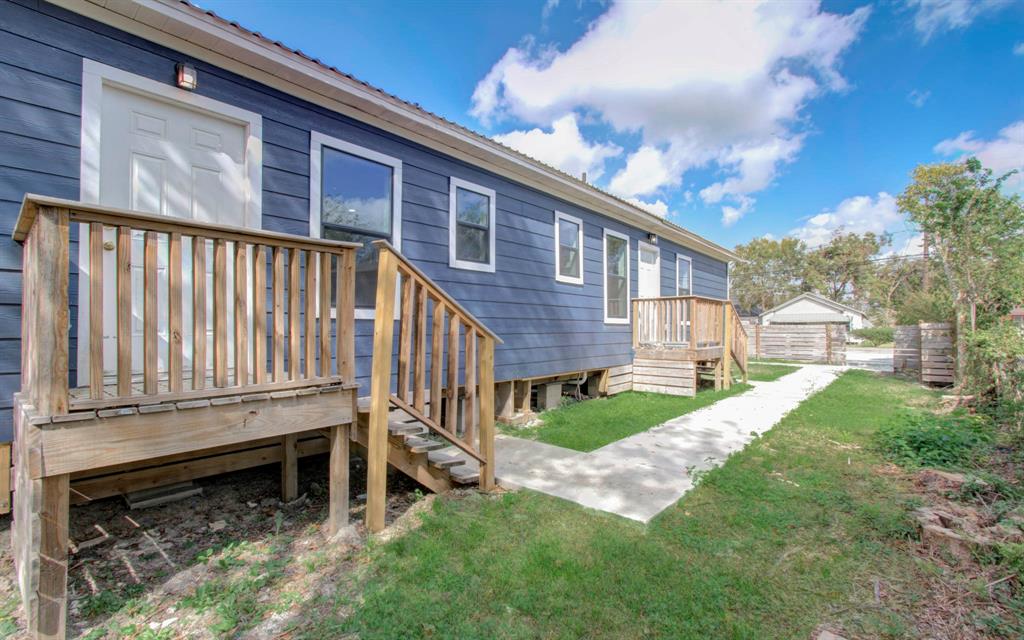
(928, 440)
(875, 335)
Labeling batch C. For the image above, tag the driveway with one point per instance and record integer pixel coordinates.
(639, 476)
(871, 358)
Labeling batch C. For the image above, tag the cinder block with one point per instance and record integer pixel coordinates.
(549, 396)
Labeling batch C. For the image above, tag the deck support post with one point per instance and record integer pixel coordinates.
(524, 389)
(289, 468)
(504, 400)
(53, 557)
(597, 385)
(486, 399)
(338, 479)
(718, 375)
(549, 396)
(380, 393)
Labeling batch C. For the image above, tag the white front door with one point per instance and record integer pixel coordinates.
(649, 271)
(160, 156)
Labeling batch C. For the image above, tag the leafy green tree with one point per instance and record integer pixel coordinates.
(770, 272)
(978, 235)
(843, 269)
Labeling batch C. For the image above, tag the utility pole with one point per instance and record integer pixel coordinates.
(924, 254)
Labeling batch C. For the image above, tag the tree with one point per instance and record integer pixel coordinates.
(978, 235)
(770, 272)
(843, 269)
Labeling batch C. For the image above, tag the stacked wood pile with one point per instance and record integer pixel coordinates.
(926, 350)
(823, 342)
(664, 371)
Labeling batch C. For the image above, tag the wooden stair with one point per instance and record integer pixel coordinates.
(414, 451)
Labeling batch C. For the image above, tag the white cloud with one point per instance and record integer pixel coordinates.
(700, 83)
(933, 17)
(732, 214)
(658, 207)
(563, 147)
(918, 98)
(1002, 154)
(859, 214)
(1018, 49)
(549, 7)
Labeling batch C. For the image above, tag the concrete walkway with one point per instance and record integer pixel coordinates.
(639, 476)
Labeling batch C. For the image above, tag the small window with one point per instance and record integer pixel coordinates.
(568, 248)
(355, 195)
(684, 276)
(471, 226)
(616, 277)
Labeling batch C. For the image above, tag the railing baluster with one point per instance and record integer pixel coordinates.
(96, 310)
(325, 313)
(220, 313)
(310, 295)
(149, 329)
(278, 305)
(294, 321)
(469, 397)
(241, 314)
(420, 350)
(259, 314)
(405, 337)
(344, 312)
(174, 333)
(124, 311)
(452, 418)
(198, 312)
(436, 360)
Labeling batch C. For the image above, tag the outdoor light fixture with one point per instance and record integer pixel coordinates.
(652, 238)
(187, 78)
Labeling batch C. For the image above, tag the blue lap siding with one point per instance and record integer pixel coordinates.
(548, 327)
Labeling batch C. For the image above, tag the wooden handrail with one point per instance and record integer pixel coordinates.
(240, 260)
(436, 289)
(420, 300)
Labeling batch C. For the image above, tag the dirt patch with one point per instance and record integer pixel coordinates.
(233, 561)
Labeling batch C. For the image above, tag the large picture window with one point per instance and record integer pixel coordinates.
(568, 248)
(355, 195)
(471, 226)
(616, 277)
(684, 276)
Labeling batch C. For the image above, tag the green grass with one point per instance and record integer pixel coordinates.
(790, 533)
(764, 372)
(591, 424)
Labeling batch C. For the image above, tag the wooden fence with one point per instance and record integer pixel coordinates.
(926, 351)
(820, 342)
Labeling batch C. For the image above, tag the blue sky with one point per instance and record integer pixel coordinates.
(735, 120)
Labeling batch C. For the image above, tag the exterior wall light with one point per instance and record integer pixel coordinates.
(187, 77)
(652, 238)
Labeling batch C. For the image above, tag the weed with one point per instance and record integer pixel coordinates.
(922, 439)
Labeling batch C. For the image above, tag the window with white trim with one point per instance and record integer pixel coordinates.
(684, 276)
(568, 248)
(355, 195)
(471, 217)
(616, 277)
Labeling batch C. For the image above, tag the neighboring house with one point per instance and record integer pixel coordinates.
(159, 106)
(811, 308)
(1017, 316)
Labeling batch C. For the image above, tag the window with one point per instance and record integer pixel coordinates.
(616, 277)
(568, 248)
(684, 276)
(355, 195)
(470, 226)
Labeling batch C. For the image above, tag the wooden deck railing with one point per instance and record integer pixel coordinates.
(291, 317)
(703, 325)
(457, 341)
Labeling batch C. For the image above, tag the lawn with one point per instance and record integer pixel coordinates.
(764, 372)
(797, 530)
(591, 424)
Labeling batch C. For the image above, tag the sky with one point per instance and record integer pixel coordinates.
(736, 120)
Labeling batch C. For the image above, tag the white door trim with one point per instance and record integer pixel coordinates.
(95, 76)
(640, 247)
